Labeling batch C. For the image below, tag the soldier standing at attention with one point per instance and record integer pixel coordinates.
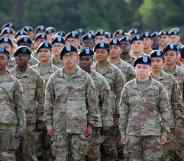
(71, 110)
(144, 115)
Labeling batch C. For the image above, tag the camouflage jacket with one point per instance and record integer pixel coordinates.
(71, 102)
(144, 111)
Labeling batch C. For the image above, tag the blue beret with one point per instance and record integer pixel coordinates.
(157, 54)
(86, 52)
(23, 50)
(67, 50)
(145, 59)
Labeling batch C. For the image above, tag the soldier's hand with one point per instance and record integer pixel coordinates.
(50, 131)
(88, 131)
(163, 140)
(179, 131)
(124, 140)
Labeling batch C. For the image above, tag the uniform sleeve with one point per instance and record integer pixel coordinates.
(124, 111)
(106, 108)
(40, 97)
(164, 111)
(131, 73)
(49, 103)
(94, 118)
(19, 106)
(118, 86)
(177, 105)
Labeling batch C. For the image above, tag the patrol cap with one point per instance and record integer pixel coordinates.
(102, 45)
(40, 36)
(88, 36)
(20, 33)
(73, 34)
(173, 47)
(50, 30)
(24, 40)
(108, 34)
(45, 45)
(182, 51)
(114, 42)
(68, 50)
(4, 51)
(157, 54)
(40, 29)
(58, 39)
(7, 30)
(147, 35)
(136, 38)
(28, 28)
(86, 52)
(60, 33)
(24, 50)
(145, 59)
(124, 39)
(6, 40)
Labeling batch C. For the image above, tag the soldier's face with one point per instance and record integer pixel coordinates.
(69, 60)
(101, 55)
(163, 40)
(142, 71)
(125, 47)
(85, 62)
(182, 61)
(6, 46)
(44, 55)
(3, 62)
(99, 39)
(174, 39)
(156, 63)
(56, 49)
(137, 46)
(147, 43)
(170, 58)
(73, 41)
(22, 59)
(115, 52)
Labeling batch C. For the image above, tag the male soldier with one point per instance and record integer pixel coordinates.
(175, 99)
(33, 97)
(116, 81)
(71, 109)
(45, 68)
(137, 47)
(72, 38)
(174, 36)
(26, 41)
(171, 67)
(12, 116)
(144, 115)
(88, 40)
(163, 39)
(125, 49)
(57, 46)
(181, 58)
(115, 59)
(99, 36)
(50, 31)
(104, 104)
(148, 42)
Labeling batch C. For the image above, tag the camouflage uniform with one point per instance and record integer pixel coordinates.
(103, 93)
(144, 116)
(45, 72)
(57, 62)
(12, 116)
(178, 73)
(116, 81)
(33, 93)
(70, 106)
(33, 61)
(126, 69)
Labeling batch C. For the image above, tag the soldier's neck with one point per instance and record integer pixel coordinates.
(70, 71)
(169, 67)
(156, 73)
(22, 68)
(115, 60)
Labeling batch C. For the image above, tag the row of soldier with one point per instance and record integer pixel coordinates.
(91, 96)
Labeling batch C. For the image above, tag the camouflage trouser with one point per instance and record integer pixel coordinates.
(143, 148)
(109, 146)
(8, 145)
(95, 142)
(72, 147)
(180, 147)
(30, 145)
